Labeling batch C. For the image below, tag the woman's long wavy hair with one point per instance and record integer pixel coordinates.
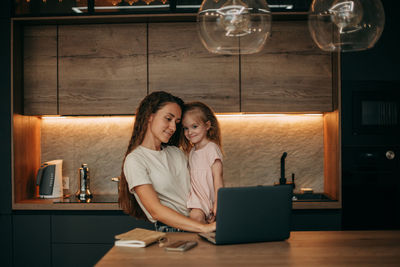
(149, 105)
(204, 114)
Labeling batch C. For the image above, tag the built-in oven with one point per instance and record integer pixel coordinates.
(371, 187)
(370, 155)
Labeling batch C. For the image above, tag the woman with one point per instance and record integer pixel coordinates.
(155, 180)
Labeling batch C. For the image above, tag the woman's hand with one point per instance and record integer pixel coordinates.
(209, 227)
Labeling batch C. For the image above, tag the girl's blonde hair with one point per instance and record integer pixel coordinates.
(149, 105)
(204, 113)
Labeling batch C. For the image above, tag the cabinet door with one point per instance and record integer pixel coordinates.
(102, 68)
(291, 74)
(78, 255)
(40, 70)
(179, 64)
(81, 240)
(6, 239)
(93, 229)
(31, 245)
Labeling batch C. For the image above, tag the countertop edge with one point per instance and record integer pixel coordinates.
(46, 205)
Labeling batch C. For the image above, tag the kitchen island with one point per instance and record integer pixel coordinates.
(313, 248)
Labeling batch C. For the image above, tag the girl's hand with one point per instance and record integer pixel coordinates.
(211, 217)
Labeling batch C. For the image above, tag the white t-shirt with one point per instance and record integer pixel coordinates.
(167, 170)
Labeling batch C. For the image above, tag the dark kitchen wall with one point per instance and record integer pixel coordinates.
(5, 136)
(382, 61)
(5, 109)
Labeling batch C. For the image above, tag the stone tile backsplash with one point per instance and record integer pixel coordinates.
(252, 145)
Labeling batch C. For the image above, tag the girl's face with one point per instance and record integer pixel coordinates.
(195, 130)
(162, 124)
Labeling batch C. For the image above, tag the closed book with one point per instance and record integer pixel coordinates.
(138, 238)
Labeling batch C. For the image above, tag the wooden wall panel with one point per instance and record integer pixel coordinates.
(102, 68)
(179, 64)
(290, 74)
(332, 152)
(40, 70)
(26, 151)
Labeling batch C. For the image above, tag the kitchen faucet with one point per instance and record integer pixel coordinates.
(282, 180)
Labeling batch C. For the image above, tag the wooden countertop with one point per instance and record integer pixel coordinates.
(322, 248)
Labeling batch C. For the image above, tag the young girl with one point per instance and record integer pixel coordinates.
(203, 144)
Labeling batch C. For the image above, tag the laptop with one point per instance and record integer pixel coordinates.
(252, 214)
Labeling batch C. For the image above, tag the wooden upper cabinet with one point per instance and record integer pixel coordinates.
(40, 70)
(179, 64)
(291, 74)
(102, 68)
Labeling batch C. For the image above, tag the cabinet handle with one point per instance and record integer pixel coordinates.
(390, 154)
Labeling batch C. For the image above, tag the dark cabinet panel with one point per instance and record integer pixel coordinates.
(78, 254)
(5, 114)
(40, 70)
(179, 64)
(31, 235)
(102, 68)
(316, 220)
(92, 228)
(370, 187)
(5, 10)
(6, 240)
(290, 74)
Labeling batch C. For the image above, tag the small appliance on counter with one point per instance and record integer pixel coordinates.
(83, 192)
(49, 179)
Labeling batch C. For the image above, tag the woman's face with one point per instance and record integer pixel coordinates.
(162, 124)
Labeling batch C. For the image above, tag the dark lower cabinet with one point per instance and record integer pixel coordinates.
(82, 239)
(78, 254)
(316, 220)
(66, 238)
(6, 240)
(31, 235)
(92, 229)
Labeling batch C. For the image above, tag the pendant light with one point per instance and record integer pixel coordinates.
(340, 25)
(234, 26)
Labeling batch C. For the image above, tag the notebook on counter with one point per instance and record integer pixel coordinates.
(138, 238)
(252, 214)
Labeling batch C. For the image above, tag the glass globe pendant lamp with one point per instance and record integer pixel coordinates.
(234, 26)
(340, 25)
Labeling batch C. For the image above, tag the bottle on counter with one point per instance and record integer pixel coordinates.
(83, 192)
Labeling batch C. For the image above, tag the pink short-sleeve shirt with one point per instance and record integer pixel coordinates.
(202, 183)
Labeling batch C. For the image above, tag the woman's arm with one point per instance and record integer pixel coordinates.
(217, 172)
(159, 212)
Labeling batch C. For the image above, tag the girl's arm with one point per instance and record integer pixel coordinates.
(217, 172)
(159, 212)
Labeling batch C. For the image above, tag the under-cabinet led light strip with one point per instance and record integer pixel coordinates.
(218, 115)
(265, 115)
